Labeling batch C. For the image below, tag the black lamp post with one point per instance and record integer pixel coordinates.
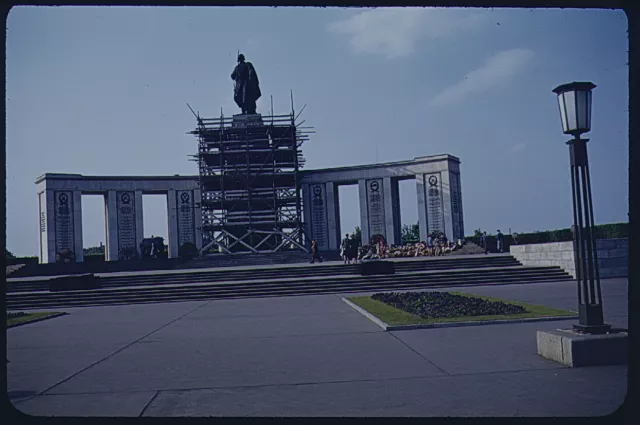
(575, 111)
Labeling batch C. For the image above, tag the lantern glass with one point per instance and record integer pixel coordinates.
(570, 111)
(574, 100)
(582, 110)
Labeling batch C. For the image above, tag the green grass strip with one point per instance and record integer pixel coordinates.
(393, 316)
(31, 317)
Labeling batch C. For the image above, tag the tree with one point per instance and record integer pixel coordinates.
(410, 233)
(9, 255)
(358, 235)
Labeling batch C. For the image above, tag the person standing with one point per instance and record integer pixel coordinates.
(500, 239)
(315, 254)
(344, 249)
(485, 242)
(351, 249)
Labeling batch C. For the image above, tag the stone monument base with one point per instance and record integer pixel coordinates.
(76, 282)
(575, 349)
(248, 120)
(375, 267)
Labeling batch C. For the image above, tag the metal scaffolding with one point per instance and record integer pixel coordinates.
(250, 192)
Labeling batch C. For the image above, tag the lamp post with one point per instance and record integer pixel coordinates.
(575, 112)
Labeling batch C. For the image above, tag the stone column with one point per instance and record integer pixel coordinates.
(461, 208)
(434, 204)
(397, 222)
(422, 207)
(185, 217)
(319, 215)
(63, 225)
(46, 203)
(126, 209)
(111, 221)
(197, 211)
(333, 216)
(456, 205)
(77, 226)
(364, 214)
(306, 213)
(139, 220)
(391, 212)
(172, 215)
(446, 206)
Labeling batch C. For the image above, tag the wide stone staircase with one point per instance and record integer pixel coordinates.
(279, 280)
(224, 260)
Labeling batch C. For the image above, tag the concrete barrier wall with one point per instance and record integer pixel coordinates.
(613, 256)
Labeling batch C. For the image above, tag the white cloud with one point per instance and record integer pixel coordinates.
(394, 32)
(496, 71)
(518, 147)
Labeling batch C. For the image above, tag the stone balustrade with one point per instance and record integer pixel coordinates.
(613, 256)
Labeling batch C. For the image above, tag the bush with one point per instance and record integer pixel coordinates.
(23, 260)
(94, 258)
(65, 255)
(128, 253)
(603, 231)
(433, 305)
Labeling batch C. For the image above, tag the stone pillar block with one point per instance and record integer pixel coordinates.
(422, 207)
(391, 219)
(139, 219)
(364, 216)
(78, 247)
(197, 199)
(172, 216)
(333, 215)
(111, 221)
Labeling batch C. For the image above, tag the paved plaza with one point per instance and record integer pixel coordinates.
(303, 356)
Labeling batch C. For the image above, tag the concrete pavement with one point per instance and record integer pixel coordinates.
(302, 356)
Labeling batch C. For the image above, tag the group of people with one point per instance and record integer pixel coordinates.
(435, 245)
(484, 241)
(349, 249)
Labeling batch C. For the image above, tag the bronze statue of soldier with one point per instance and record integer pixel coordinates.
(247, 87)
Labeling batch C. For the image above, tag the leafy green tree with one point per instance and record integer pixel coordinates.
(410, 233)
(358, 234)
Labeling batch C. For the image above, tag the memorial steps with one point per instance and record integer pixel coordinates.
(274, 272)
(286, 284)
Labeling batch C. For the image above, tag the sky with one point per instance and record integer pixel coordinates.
(103, 91)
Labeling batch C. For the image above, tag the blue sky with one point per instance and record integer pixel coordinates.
(103, 91)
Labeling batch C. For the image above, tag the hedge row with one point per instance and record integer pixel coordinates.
(22, 260)
(603, 231)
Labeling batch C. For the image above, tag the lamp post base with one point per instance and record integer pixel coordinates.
(573, 349)
(592, 329)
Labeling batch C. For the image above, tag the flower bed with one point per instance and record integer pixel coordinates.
(22, 318)
(428, 308)
(434, 305)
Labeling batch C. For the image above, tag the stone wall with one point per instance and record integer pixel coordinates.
(613, 256)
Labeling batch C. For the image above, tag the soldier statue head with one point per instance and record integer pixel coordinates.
(240, 58)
